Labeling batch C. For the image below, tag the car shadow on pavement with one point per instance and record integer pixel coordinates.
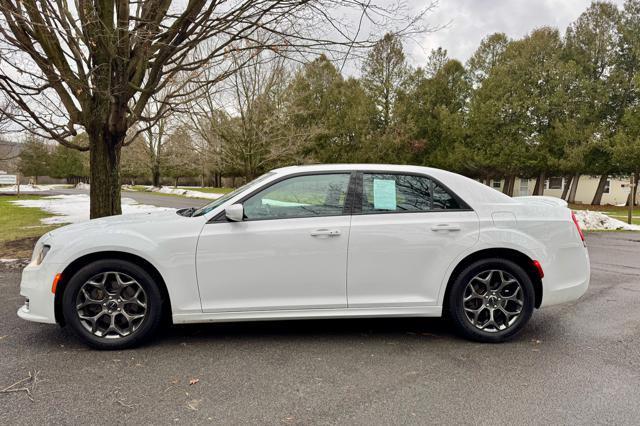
(301, 330)
(375, 331)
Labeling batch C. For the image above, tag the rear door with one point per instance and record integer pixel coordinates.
(405, 232)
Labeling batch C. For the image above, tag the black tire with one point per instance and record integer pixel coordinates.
(456, 303)
(152, 297)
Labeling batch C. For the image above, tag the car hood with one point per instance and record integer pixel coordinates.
(162, 217)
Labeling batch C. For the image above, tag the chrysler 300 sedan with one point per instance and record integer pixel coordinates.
(321, 241)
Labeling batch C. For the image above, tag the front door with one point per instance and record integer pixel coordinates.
(290, 252)
(405, 233)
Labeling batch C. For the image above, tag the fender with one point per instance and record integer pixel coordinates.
(171, 252)
(512, 239)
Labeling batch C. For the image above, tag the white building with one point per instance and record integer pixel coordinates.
(615, 192)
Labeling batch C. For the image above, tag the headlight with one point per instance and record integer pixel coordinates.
(43, 253)
(40, 252)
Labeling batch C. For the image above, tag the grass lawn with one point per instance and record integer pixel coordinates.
(604, 209)
(196, 189)
(622, 215)
(20, 227)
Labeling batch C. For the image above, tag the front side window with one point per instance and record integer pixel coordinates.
(404, 193)
(300, 196)
(219, 201)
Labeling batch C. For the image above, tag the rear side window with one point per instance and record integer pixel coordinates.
(403, 194)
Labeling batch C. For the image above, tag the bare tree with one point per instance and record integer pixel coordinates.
(8, 151)
(181, 159)
(253, 128)
(155, 135)
(202, 120)
(95, 65)
(4, 117)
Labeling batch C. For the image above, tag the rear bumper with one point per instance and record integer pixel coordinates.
(36, 287)
(567, 277)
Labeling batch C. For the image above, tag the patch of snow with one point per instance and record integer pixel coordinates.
(82, 185)
(598, 221)
(13, 263)
(184, 192)
(75, 208)
(128, 188)
(26, 188)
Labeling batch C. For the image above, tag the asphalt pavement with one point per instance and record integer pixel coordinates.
(143, 197)
(573, 364)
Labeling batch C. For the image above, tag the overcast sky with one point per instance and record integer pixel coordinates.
(472, 20)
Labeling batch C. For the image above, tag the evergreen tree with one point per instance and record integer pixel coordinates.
(35, 158)
(593, 43)
(69, 164)
(383, 73)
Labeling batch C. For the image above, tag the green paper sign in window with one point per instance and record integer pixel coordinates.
(384, 194)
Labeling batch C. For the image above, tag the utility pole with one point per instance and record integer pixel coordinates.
(632, 196)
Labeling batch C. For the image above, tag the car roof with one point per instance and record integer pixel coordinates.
(354, 166)
(472, 191)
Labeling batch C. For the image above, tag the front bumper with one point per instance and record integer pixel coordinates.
(36, 287)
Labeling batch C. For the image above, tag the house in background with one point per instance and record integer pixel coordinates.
(615, 193)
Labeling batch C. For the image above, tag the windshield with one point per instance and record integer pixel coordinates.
(230, 195)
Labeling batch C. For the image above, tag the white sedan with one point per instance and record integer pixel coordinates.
(322, 241)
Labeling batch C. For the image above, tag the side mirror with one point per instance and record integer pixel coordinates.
(234, 212)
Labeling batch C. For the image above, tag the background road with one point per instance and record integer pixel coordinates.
(142, 197)
(574, 364)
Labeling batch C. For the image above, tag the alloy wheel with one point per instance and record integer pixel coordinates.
(111, 305)
(493, 300)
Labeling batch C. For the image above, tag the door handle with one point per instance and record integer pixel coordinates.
(325, 233)
(445, 227)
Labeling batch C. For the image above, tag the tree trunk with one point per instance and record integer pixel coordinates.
(539, 188)
(155, 175)
(597, 198)
(567, 185)
(104, 174)
(509, 183)
(574, 188)
(636, 188)
(630, 196)
(176, 183)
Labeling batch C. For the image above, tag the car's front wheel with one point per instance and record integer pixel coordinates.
(491, 300)
(112, 304)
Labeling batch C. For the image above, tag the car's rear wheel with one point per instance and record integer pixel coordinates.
(491, 300)
(112, 304)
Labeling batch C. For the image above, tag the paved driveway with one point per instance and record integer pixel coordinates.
(142, 197)
(574, 364)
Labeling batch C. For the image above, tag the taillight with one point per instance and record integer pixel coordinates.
(538, 267)
(575, 221)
